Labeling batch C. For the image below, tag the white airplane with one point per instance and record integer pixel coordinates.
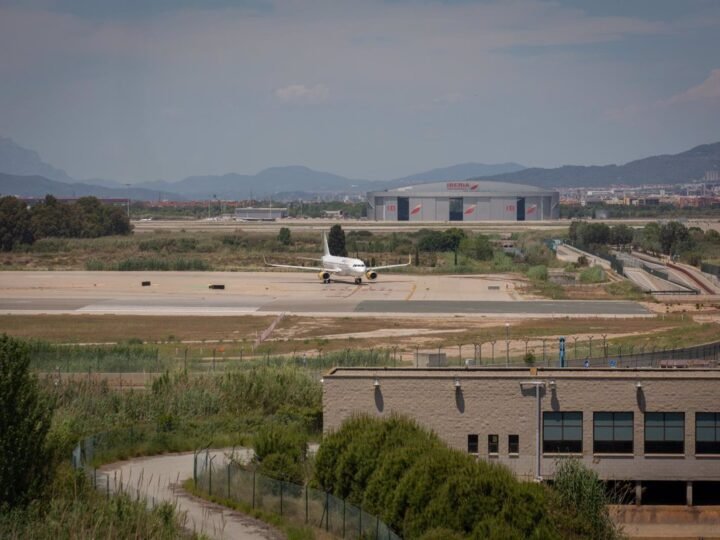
(341, 266)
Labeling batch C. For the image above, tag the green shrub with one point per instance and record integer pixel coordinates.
(281, 449)
(593, 274)
(581, 489)
(26, 415)
(501, 262)
(538, 273)
(404, 474)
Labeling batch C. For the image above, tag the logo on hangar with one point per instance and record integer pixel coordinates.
(462, 186)
(416, 210)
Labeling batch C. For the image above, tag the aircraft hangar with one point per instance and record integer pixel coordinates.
(469, 200)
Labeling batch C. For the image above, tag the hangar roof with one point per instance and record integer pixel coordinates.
(469, 187)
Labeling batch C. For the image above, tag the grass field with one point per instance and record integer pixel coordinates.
(221, 343)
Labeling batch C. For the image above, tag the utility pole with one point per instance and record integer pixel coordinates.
(128, 199)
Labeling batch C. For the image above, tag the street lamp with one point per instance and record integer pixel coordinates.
(492, 361)
(507, 344)
(590, 346)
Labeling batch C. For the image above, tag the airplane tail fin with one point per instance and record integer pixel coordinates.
(326, 248)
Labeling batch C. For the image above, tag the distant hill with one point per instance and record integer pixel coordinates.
(456, 172)
(663, 169)
(38, 186)
(265, 183)
(14, 159)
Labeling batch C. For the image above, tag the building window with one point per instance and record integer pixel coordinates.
(562, 432)
(613, 433)
(472, 444)
(493, 444)
(665, 433)
(707, 433)
(513, 444)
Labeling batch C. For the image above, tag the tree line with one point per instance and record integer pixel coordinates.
(671, 238)
(85, 218)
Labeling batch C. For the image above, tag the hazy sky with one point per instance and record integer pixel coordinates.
(146, 89)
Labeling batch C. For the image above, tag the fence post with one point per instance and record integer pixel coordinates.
(107, 485)
(253, 502)
(281, 498)
(343, 518)
(327, 511)
(306, 504)
(195, 469)
(228, 479)
(360, 523)
(210, 479)
(377, 528)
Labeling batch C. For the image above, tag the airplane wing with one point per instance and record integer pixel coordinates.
(391, 265)
(312, 268)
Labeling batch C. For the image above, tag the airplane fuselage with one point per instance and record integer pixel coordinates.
(346, 266)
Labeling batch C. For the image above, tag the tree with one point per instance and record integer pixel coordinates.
(284, 236)
(336, 241)
(673, 235)
(621, 235)
(477, 247)
(15, 226)
(25, 417)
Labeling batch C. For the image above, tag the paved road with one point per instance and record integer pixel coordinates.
(187, 293)
(158, 479)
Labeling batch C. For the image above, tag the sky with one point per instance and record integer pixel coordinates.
(138, 90)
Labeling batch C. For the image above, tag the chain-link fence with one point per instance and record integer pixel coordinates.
(299, 504)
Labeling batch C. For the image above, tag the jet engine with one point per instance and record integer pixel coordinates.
(324, 275)
(371, 275)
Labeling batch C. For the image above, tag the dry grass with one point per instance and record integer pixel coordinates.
(116, 328)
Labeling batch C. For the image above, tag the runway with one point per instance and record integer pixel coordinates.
(188, 293)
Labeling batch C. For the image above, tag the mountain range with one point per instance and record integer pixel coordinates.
(663, 169)
(24, 173)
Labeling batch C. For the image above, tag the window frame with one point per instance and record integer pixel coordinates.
(709, 447)
(493, 442)
(613, 445)
(664, 446)
(515, 444)
(563, 445)
(471, 443)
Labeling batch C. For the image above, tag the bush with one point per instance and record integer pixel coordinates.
(580, 489)
(26, 415)
(501, 262)
(593, 274)
(281, 449)
(538, 273)
(404, 474)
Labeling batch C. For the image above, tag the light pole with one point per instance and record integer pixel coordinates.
(492, 361)
(590, 346)
(128, 199)
(575, 338)
(543, 342)
(460, 353)
(507, 344)
(605, 352)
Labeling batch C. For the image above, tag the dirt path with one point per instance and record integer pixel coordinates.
(159, 479)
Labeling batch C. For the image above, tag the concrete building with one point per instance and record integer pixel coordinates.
(464, 201)
(260, 214)
(656, 429)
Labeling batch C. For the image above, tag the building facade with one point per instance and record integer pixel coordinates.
(464, 201)
(260, 214)
(649, 427)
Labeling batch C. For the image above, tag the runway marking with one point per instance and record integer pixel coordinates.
(356, 289)
(412, 291)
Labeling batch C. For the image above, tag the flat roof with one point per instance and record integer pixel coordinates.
(522, 373)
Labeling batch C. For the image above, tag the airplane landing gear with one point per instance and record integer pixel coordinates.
(358, 281)
(326, 280)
